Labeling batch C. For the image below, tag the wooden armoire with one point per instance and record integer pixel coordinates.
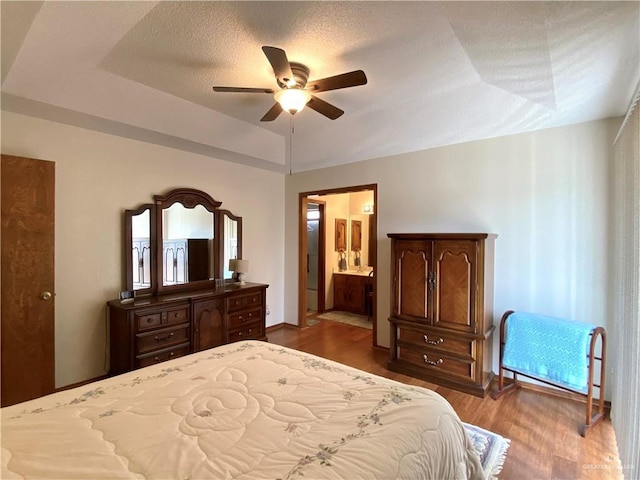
(442, 308)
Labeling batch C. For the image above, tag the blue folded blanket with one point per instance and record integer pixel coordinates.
(548, 348)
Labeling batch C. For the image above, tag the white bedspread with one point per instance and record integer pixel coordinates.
(245, 410)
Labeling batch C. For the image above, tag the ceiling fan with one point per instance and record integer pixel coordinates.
(295, 90)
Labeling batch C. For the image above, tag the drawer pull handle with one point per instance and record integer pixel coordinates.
(157, 359)
(432, 342)
(158, 339)
(431, 362)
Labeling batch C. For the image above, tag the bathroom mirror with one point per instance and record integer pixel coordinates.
(356, 235)
(358, 241)
(341, 235)
(181, 242)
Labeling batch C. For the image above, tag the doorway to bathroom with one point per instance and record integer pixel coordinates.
(337, 255)
(316, 254)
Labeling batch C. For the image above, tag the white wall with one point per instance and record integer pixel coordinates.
(544, 193)
(97, 177)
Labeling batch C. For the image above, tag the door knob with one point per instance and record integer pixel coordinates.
(45, 295)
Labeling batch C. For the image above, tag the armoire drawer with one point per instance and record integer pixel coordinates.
(160, 339)
(162, 355)
(427, 338)
(437, 363)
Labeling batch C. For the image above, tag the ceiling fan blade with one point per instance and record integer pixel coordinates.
(324, 108)
(345, 80)
(242, 90)
(278, 60)
(272, 114)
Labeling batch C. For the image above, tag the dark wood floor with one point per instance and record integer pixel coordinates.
(543, 429)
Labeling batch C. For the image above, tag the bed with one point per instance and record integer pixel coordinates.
(245, 410)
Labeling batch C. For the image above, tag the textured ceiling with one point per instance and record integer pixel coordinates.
(439, 73)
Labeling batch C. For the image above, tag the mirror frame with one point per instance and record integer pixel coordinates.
(220, 235)
(341, 235)
(355, 245)
(189, 198)
(128, 247)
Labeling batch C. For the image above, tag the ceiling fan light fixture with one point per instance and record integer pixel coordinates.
(292, 100)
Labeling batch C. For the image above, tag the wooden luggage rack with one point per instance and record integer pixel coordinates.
(596, 332)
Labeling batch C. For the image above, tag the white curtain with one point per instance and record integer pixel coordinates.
(625, 337)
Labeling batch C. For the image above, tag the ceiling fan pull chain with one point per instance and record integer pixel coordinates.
(290, 136)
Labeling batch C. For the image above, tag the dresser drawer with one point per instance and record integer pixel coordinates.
(244, 318)
(436, 363)
(158, 318)
(426, 338)
(240, 302)
(250, 331)
(162, 356)
(160, 339)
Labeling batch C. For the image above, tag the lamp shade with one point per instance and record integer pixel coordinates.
(242, 266)
(232, 264)
(292, 99)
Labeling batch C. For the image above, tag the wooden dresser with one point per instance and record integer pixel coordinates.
(161, 327)
(442, 309)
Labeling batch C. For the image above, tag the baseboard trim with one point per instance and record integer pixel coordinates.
(281, 325)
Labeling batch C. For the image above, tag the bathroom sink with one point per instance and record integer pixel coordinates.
(363, 273)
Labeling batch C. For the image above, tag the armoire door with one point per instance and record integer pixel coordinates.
(412, 266)
(455, 280)
(27, 275)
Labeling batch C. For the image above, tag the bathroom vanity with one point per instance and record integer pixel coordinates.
(351, 291)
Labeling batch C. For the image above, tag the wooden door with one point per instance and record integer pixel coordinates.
(27, 275)
(455, 292)
(208, 324)
(412, 261)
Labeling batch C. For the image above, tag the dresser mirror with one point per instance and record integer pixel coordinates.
(181, 242)
(139, 228)
(187, 244)
(231, 239)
